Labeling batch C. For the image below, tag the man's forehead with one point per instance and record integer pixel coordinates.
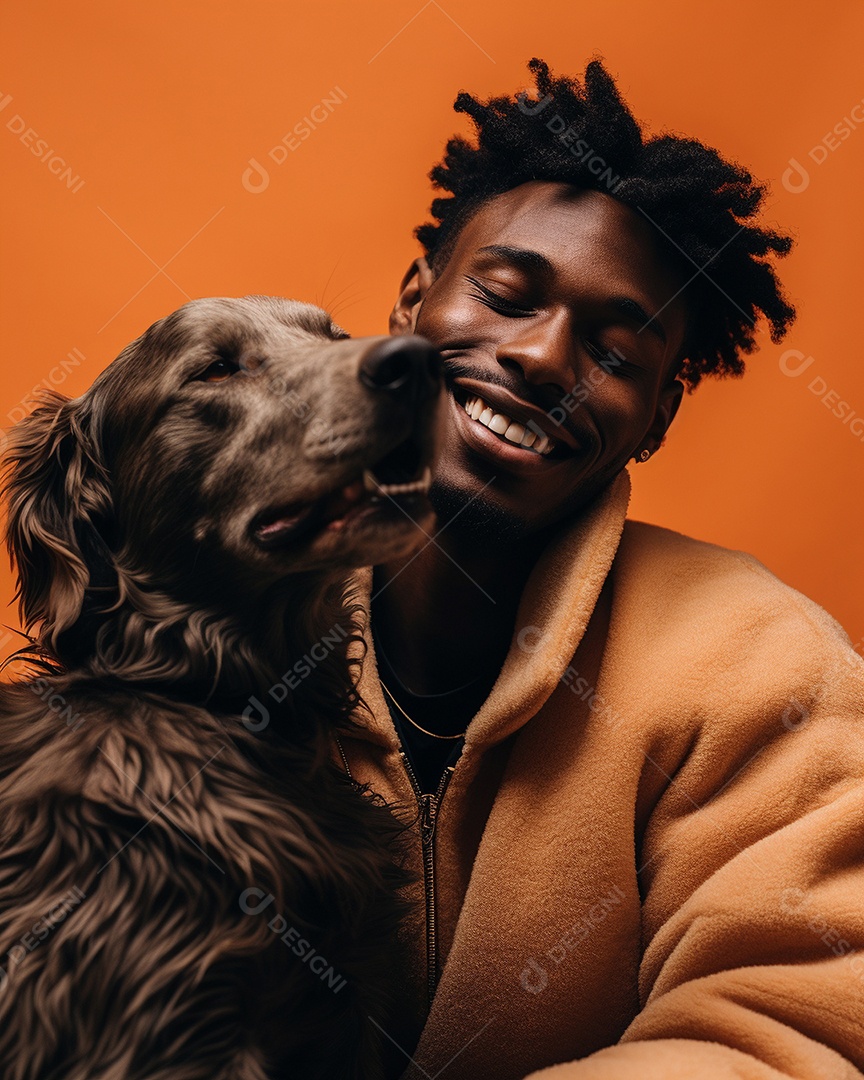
(554, 218)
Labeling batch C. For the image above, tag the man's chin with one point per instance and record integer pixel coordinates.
(476, 516)
(481, 515)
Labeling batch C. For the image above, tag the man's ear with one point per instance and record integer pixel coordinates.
(667, 406)
(417, 279)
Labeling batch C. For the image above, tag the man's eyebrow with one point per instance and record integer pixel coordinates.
(634, 310)
(522, 258)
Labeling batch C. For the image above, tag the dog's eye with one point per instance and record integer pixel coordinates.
(218, 371)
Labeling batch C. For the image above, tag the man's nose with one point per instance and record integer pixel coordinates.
(405, 368)
(543, 349)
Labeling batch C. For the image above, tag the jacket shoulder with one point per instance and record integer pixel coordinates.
(680, 579)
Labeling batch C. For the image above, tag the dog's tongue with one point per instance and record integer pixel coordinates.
(282, 524)
(300, 515)
(285, 523)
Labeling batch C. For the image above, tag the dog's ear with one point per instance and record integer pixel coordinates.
(59, 520)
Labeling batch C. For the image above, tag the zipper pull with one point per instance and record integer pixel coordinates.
(428, 813)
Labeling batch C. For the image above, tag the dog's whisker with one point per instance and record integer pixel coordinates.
(348, 302)
(323, 301)
(331, 307)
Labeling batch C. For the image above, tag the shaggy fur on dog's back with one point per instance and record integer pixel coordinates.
(162, 817)
(188, 888)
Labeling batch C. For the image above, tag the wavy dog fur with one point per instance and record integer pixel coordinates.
(188, 888)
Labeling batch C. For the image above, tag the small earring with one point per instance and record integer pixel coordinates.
(645, 455)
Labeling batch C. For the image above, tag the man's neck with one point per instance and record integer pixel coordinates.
(444, 618)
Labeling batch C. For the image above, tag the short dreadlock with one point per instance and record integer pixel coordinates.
(699, 203)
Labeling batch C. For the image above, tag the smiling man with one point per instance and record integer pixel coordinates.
(636, 760)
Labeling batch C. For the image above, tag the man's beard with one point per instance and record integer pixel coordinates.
(480, 521)
(475, 518)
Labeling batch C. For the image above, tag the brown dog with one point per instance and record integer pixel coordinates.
(188, 889)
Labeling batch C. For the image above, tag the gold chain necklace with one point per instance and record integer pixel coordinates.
(414, 722)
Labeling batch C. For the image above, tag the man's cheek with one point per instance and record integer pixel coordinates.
(447, 320)
(619, 428)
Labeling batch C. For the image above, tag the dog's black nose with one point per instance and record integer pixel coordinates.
(408, 367)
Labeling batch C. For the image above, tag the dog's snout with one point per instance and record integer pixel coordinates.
(407, 367)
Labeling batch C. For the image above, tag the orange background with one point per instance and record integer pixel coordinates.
(158, 108)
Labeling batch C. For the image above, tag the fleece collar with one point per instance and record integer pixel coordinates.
(556, 604)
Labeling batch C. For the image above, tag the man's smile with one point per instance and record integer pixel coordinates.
(539, 431)
(507, 430)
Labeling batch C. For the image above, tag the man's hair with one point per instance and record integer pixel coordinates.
(700, 205)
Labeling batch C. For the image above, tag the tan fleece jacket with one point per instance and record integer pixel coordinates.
(649, 860)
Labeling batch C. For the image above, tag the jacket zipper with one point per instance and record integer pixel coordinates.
(428, 806)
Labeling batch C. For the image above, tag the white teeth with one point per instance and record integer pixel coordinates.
(420, 486)
(502, 424)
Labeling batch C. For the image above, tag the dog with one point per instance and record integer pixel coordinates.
(189, 886)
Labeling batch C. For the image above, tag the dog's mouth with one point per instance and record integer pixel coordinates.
(400, 477)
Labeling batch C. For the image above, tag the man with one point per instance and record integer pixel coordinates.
(636, 760)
